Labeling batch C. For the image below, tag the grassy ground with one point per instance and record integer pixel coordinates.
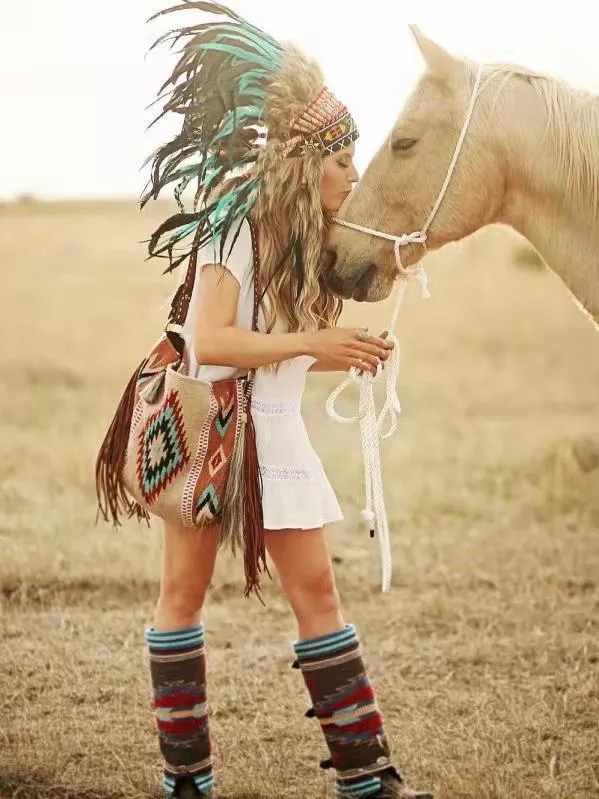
(484, 654)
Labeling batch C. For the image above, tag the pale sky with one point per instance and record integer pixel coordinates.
(75, 76)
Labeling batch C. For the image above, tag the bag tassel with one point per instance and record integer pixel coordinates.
(110, 489)
(242, 521)
(253, 521)
(231, 522)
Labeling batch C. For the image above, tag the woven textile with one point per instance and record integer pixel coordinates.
(345, 705)
(162, 448)
(160, 454)
(178, 672)
(324, 124)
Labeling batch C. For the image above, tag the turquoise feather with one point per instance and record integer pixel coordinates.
(221, 77)
(238, 53)
(239, 37)
(233, 120)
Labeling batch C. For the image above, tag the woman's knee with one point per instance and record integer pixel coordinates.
(183, 597)
(315, 594)
(187, 569)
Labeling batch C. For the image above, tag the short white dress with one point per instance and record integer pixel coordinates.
(296, 491)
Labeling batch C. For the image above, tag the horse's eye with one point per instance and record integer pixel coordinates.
(401, 145)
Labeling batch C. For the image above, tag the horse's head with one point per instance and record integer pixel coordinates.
(402, 182)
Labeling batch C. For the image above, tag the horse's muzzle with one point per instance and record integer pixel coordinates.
(352, 283)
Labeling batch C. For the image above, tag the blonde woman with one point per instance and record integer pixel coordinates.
(276, 155)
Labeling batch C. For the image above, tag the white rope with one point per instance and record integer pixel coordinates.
(371, 430)
(374, 511)
(458, 149)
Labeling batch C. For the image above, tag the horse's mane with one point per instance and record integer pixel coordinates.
(573, 124)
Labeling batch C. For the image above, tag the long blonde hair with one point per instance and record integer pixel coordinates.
(292, 226)
(291, 221)
(241, 94)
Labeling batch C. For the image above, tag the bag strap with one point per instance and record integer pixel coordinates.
(256, 259)
(181, 300)
(249, 383)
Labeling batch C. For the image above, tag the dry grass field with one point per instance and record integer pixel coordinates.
(485, 653)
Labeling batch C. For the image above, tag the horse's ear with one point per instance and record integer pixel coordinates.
(438, 60)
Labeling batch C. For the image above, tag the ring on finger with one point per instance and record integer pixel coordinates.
(363, 335)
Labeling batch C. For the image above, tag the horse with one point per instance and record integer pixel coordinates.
(525, 152)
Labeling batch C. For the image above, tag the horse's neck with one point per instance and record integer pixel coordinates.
(565, 233)
(567, 245)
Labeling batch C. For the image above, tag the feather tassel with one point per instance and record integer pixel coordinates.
(231, 523)
(242, 521)
(219, 86)
(254, 552)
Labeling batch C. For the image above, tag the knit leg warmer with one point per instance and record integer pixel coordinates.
(178, 672)
(345, 705)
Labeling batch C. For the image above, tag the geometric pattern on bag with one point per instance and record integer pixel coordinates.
(162, 448)
(174, 412)
(162, 355)
(174, 441)
(215, 451)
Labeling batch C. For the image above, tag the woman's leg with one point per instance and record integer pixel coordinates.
(177, 660)
(188, 559)
(329, 655)
(305, 570)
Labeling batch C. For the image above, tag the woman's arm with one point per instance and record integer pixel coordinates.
(328, 364)
(218, 342)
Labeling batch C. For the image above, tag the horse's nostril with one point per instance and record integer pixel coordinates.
(329, 260)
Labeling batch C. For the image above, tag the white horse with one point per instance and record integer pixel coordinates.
(529, 159)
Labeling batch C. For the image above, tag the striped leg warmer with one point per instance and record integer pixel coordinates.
(344, 703)
(178, 671)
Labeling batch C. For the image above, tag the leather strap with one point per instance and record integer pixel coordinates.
(249, 383)
(256, 258)
(181, 300)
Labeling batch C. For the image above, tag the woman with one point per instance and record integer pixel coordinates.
(277, 154)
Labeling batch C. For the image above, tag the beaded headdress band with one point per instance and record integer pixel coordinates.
(325, 124)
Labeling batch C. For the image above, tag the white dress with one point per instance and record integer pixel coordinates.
(296, 491)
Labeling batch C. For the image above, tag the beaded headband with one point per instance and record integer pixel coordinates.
(325, 124)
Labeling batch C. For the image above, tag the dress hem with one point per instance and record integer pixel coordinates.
(303, 526)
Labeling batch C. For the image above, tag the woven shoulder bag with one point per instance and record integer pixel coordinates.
(184, 449)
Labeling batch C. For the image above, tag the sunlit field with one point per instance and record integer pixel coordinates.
(485, 653)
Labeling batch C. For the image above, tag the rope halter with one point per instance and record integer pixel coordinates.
(371, 425)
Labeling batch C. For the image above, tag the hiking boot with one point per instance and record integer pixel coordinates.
(395, 788)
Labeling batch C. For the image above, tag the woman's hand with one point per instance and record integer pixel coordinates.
(347, 347)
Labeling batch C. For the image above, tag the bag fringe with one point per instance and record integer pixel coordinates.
(242, 522)
(113, 499)
(231, 522)
(253, 521)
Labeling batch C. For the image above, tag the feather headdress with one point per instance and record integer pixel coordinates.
(243, 108)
